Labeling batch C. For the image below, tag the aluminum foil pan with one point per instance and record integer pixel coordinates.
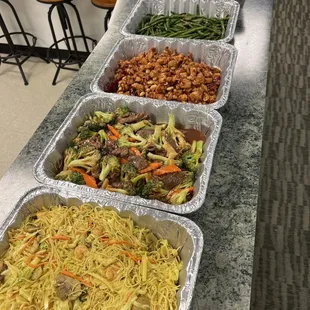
(210, 8)
(216, 54)
(49, 163)
(179, 231)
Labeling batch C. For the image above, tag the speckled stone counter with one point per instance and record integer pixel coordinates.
(228, 216)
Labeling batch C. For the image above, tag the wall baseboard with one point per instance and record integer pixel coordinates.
(41, 51)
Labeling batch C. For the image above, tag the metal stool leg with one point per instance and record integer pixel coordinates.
(12, 48)
(81, 25)
(68, 26)
(49, 15)
(22, 29)
(107, 18)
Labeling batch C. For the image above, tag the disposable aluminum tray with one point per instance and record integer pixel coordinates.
(216, 54)
(49, 163)
(209, 8)
(181, 232)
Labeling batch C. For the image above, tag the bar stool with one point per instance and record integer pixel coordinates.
(106, 5)
(14, 53)
(74, 55)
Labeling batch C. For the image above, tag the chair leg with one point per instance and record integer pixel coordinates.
(12, 48)
(23, 31)
(106, 19)
(49, 15)
(68, 24)
(81, 25)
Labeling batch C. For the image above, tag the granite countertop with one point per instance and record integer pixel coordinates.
(228, 217)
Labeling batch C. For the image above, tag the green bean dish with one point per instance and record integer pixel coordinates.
(184, 25)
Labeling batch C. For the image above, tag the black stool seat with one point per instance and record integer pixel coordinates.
(74, 55)
(14, 53)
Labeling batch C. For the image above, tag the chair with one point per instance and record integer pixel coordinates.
(14, 53)
(75, 56)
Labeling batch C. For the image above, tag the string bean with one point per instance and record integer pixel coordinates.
(184, 25)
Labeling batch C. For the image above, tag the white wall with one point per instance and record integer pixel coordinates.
(33, 16)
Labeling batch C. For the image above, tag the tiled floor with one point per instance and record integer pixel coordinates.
(22, 108)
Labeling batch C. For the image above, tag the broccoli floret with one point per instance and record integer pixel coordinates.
(70, 154)
(94, 124)
(187, 181)
(128, 131)
(191, 158)
(171, 153)
(117, 190)
(121, 111)
(70, 176)
(105, 117)
(199, 149)
(118, 126)
(179, 197)
(123, 142)
(140, 177)
(76, 178)
(109, 163)
(85, 151)
(63, 175)
(130, 188)
(84, 134)
(157, 136)
(175, 134)
(128, 172)
(89, 163)
(103, 136)
(155, 190)
(138, 126)
(166, 160)
(157, 157)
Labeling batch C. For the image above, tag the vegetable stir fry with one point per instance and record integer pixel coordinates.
(185, 25)
(125, 152)
(82, 258)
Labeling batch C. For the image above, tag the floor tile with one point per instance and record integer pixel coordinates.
(23, 108)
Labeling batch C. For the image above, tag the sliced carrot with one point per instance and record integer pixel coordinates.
(80, 170)
(120, 242)
(32, 265)
(132, 256)
(36, 266)
(152, 261)
(131, 139)
(136, 151)
(114, 131)
(128, 296)
(26, 245)
(89, 180)
(177, 190)
(73, 276)
(151, 167)
(59, 237)
(167, 169)
(124, 160)
(113, 138)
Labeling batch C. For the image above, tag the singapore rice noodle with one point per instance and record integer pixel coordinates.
(87, 258)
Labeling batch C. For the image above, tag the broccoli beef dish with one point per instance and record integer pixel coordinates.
(125, 152)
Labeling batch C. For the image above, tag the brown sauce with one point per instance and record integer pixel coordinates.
(193, 135)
